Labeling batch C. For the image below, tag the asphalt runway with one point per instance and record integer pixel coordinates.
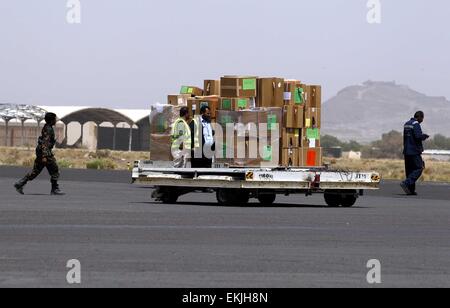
(123, 239)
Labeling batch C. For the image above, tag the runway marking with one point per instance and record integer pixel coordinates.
(115, 227)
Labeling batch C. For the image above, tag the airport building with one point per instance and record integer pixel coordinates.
(78, 127)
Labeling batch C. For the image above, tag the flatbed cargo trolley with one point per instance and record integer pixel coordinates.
(235, 186)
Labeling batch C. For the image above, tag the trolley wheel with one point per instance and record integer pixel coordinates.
(169, 198)
(267, 199)
(333, 200)
(349, 200)
(166, 195)
(231, 197)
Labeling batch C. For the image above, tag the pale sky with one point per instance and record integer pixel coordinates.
(130, 54)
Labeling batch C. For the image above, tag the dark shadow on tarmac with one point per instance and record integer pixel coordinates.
(250, 205)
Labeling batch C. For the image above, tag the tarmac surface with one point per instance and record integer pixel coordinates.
(124, 239)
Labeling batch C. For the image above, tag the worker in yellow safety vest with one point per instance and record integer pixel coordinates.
(181, 139)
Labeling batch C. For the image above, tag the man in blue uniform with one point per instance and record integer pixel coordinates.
(413, 149)
(44, 158)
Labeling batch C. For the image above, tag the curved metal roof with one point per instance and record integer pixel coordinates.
(21, 112)
(96, 115)
(67, 114)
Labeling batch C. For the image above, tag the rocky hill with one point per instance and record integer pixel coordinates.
(364, 112)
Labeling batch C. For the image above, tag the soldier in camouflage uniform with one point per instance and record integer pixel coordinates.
(44, 157)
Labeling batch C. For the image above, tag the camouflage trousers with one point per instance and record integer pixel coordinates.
(39, 165)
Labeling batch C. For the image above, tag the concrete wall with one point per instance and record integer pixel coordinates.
(140, 142)
(31, 134)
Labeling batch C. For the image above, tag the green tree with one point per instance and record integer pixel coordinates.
(390, 146)
(438, 142)
(352, 145)
(328, 141)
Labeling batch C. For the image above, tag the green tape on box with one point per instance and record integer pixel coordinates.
(226, 104)
(313, 133)
(224, 151)
(184, 90)
(190, 90)
(267, 154)
(249, 84)
(161, 125)
(271, 121)
(299, 96)
(242, 104)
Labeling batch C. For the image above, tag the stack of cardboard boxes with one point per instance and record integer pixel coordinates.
(243, 107)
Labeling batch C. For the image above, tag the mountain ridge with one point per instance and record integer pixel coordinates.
(364, 112)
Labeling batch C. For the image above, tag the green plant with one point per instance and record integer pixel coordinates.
(101, 164)
(29, 162)
(103, 154)
(64, 164)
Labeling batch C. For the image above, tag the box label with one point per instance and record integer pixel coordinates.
(184, 90)
(267, 154)
(311, 158)
(312, 133)
(287, 96)
(242, 104)
(307, 122)
(226, 104)
(249, 84)
(299, 96)
(271, 121)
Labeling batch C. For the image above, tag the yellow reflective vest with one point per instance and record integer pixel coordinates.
(181, 134)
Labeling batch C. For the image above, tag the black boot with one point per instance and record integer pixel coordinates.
(55, 189)
(20, 185)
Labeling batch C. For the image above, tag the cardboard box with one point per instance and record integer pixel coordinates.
(193, 107)
(195, 104)
(291, 138)
(191, 90)
(311, 138)
(248, 117)
(234, 104)
(242, 152)
(315, 97)
(293, 116)
(306, 90)
(162, 117)
(247, 123)
(247, 152)
(290, 157)
(293, 93)
(178, 99)
(225, 118)
(270, 92)
(211, 101)
(238, 86)
(311, 157)
(272, 117)
(211, 87)
(160, 147)
(313, 118)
